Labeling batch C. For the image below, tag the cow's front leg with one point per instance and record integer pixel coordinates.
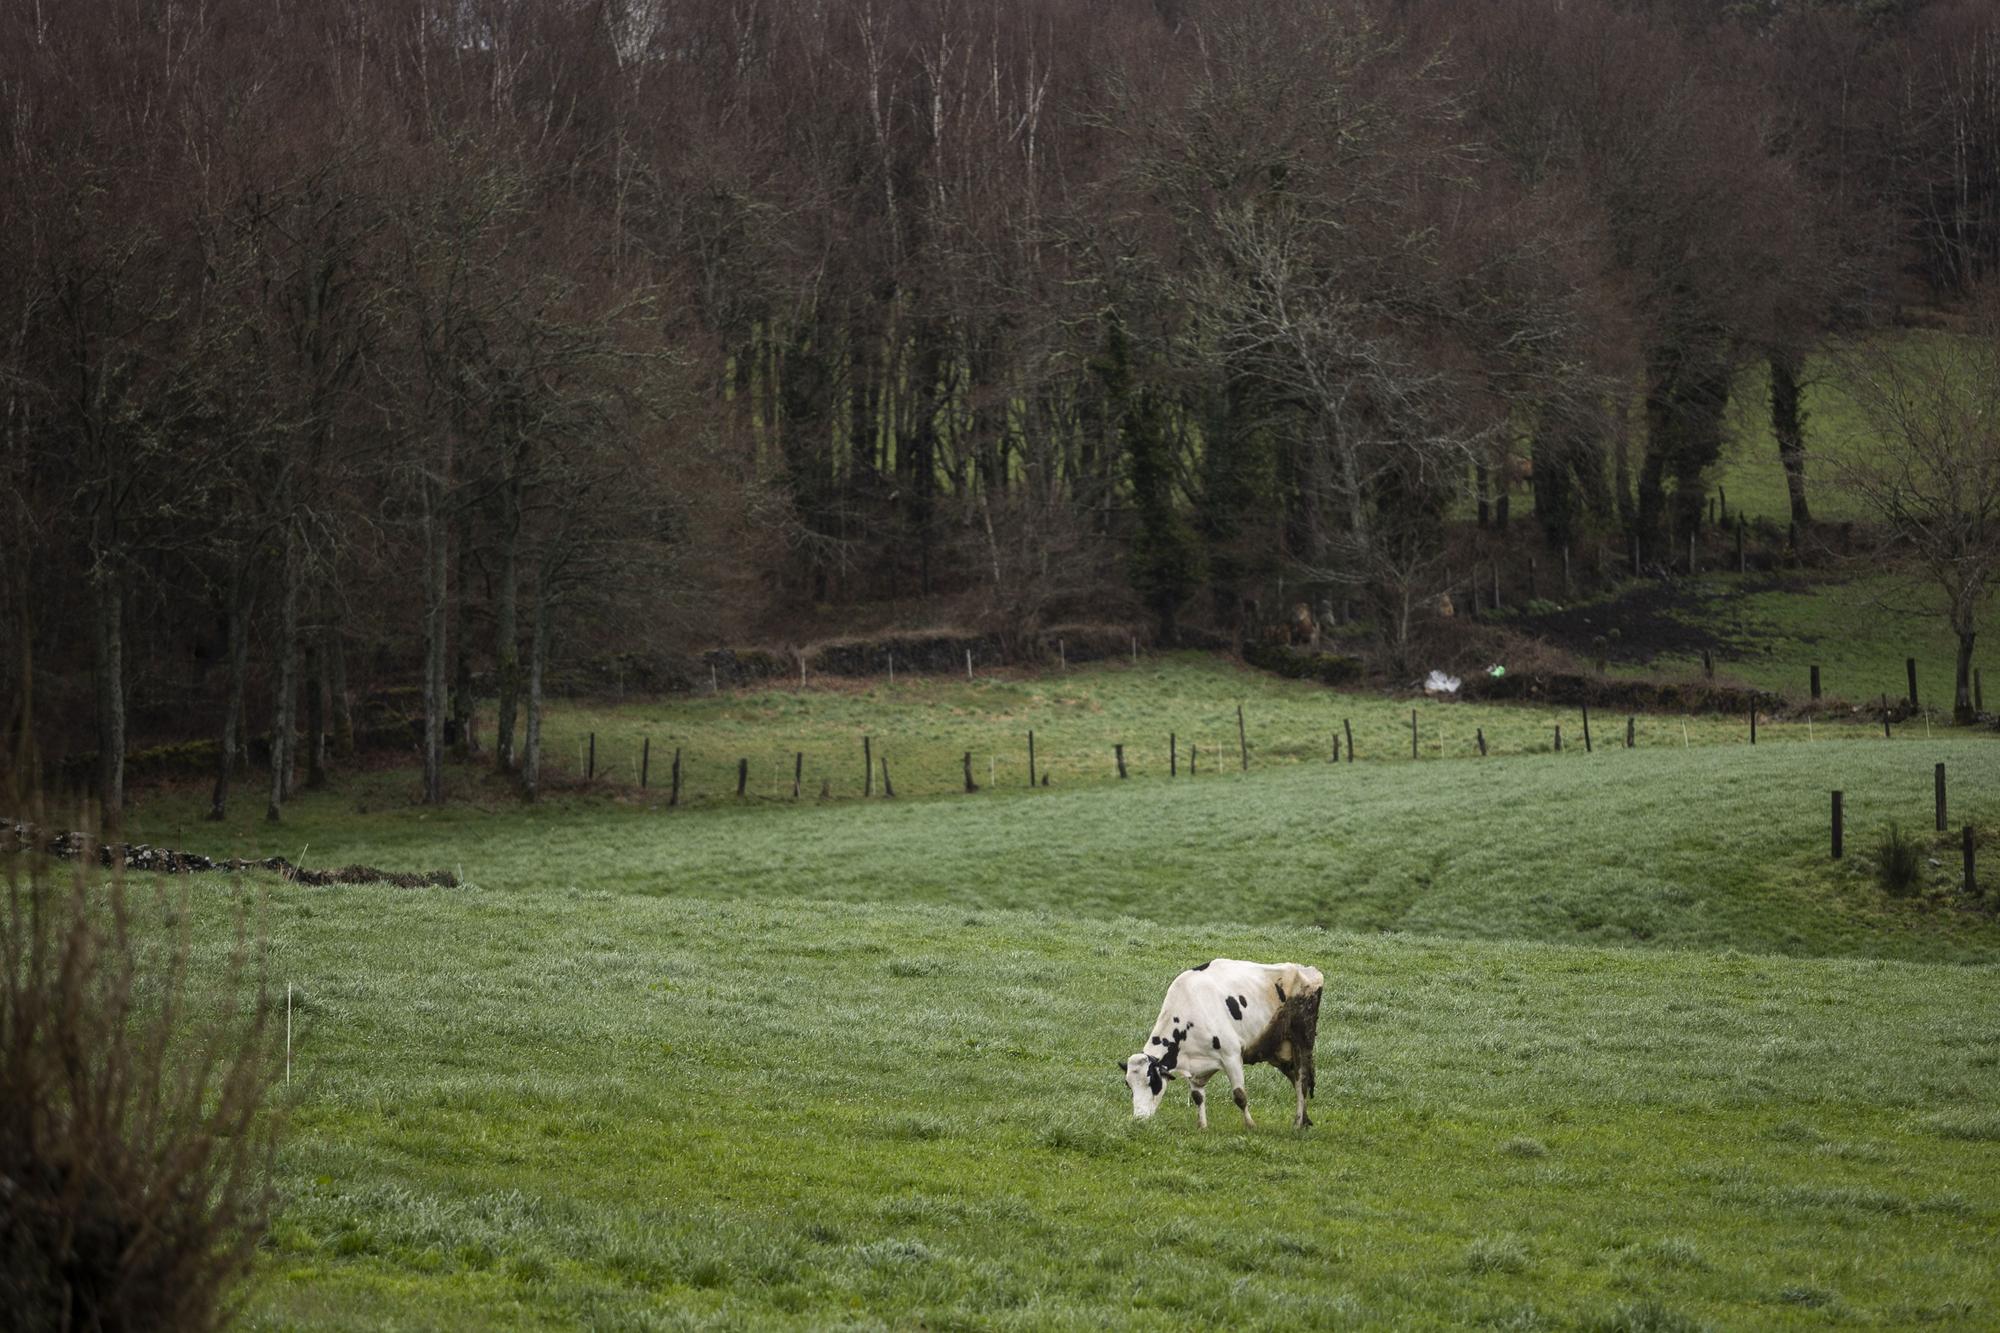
(1234, 1068)
(1195, 1086)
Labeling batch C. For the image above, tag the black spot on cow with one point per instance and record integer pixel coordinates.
(1153, 1078)
(1197, 1096)
(1243, 1000)
(1156, 1042)
(1281, 995)
(1199, 967)
(1215, 1043)
(1235, 1009)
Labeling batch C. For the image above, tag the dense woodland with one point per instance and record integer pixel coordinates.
(439, 341)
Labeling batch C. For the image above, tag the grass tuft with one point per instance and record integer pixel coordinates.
(1496, 1254)
(1899, 863)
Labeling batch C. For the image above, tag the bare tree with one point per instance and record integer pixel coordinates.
(1933, 480)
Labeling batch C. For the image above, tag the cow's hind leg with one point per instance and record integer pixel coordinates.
(1303, 1121)
(1234, 1068)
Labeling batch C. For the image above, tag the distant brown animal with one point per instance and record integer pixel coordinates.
(1443, 606)
(1304, 629)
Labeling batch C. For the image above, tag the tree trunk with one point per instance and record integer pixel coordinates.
(110, 655)
(461, 679)
(1961, 704)
(316, 713)
(288, 685)
(538, 643)
(343, 708)
(232, 704)
(436, 550)
(1788, 425)
(507, 650)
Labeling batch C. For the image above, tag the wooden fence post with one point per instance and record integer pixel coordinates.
(1119, 752)
(1173, 755)
(1707, 664)
(1413, 733)
(1815, 682)
(1722, 499)
(1837, 829)
(1559, 738)
(1194, 756)
(1910, 665)
(1631, 731)
(674, 796)
(970, 785)
(1480, 734)
(645, 760)
(590, 775)
(1885, 718)
(1336, 747)
(742, 775)
(1586, 729)
(1031, 759)
(1347, 725)
(1753, 721)
(1938, 782)
(888, 789)
(1971, 882)
(1242, 739)
(798, 772)
(867, 767)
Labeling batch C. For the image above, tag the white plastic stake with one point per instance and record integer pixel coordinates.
(968, 664)
(1684, 733)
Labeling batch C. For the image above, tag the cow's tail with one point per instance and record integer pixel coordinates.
(1305, 1023)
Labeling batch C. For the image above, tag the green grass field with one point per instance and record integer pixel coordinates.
(1609, 1043)
(925, 725)
(1859, 632)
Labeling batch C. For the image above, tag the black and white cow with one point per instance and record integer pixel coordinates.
(1221, 1016)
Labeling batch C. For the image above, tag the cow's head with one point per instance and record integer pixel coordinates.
(1147, 1078)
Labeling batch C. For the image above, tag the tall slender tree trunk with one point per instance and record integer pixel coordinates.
(232, 704)
(461, 680)
(316, 713)
(507, 646)
(110, 662)
(436, 552)
(1961, 704)
(282, 723)
(1788, 425)
(538, 648)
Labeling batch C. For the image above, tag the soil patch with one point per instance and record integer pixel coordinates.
(1648, 621)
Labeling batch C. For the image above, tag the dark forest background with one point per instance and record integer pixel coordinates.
(353, 343)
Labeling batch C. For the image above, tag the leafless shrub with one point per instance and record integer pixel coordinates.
(135, 1145)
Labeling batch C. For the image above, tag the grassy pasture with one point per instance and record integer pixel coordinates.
(541, 1105)
(1608, 1042)
(1859, 632)
(1702, 848)
(924, 725)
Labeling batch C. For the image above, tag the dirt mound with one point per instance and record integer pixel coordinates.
(19, 836)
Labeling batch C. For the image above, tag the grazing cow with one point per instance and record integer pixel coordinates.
(1224, 1015)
